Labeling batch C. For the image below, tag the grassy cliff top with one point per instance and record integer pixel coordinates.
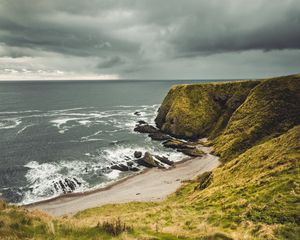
(235, 115)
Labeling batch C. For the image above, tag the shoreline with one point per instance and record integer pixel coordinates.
(151, 184)
(100, 189)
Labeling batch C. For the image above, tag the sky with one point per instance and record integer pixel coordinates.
(148, 39)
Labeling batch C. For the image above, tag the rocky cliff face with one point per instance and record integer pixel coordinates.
(234, 116)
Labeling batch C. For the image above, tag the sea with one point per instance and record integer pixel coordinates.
(70, 133)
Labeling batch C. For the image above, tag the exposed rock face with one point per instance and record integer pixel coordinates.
(159, 136)
(192, 152)
(178, 144)
(164, 160)
(67, 185)
(145, 128)
(148, 161)
(120, 167)
(234, 116)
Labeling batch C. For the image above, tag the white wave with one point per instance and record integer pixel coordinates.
(121, 154)
(62, 121)
(41, 178)
(85, 122)
(114, 174)
(9, 123)
(19, 112)
(24, 128)
(70, 109)
(92, 140)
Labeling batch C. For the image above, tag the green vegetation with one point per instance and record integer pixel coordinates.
(255, 194)
(235, 115)
(198, 110)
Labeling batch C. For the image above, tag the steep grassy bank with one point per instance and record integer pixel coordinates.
(234, 116)
(254, 127)
(254, 196)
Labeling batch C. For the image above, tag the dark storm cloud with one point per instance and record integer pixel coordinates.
(135, 38)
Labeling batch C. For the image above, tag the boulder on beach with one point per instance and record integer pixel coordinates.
(148, 161)
(121, 167)
(164, 160)
(178, 144)
(141, 122)
(146, 128)
(134, 169)
(137, 154)
(191, 152)
(159, 136)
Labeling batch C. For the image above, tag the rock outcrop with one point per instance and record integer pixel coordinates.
(145, 128)
(67, 185)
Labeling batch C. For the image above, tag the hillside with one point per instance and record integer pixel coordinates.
(234, 116)
(254, 127)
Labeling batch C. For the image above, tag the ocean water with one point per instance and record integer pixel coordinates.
(72, 131)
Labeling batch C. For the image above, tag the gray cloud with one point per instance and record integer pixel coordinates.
(111, 62)
(149, 39)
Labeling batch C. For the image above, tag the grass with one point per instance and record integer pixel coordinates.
(254, 194)
(235, 115)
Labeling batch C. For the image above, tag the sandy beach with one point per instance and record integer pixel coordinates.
(151, 185)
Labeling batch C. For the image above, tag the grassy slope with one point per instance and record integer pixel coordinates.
(235, 116)
(253, 195)
(271, 108)
(258, 200)
(198, 110)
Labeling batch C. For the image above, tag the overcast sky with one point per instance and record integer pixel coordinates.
(148, 39)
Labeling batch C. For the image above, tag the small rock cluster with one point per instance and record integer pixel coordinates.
(147, 160)
(187, 148)
(153, 132)
(67, 185)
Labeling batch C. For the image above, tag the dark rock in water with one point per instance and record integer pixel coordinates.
(178, 144)
(134, 169)
(137, 113)
(130, 163)
(78, 183)
(159, 136)
(56, 187)
(137, 154)
(141, 122)
(70, 184)
(127, 158)
(67, 185)
(145, 129)
(164, 160)
(120, 167)
(62, 186)
(192, 152)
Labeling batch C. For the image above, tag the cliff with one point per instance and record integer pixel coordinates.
(235, 116)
